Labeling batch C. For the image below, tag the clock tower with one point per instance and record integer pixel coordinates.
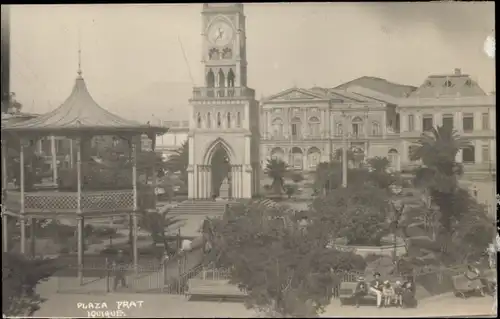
(224, 121)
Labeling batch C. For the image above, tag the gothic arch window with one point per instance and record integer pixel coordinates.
(210, 79)
(228, 119)
(314, 126)
(238, 119)
(375, 128)
(219, 122)
(222, 78)
(198, 120)
(277, 126)
(209, 120)
(357, 126)
(230, 78)
(213, 54)
(227, 53)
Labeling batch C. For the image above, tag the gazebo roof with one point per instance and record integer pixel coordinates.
(78, 114)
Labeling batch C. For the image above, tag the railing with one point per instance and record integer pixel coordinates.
(221, 93)
(36, 202)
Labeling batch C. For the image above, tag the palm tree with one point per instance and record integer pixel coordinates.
(156, 223)
(277, 169)
(179, 161)
(439, 173)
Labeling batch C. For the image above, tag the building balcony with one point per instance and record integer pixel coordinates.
(46, 202)
(202, 93)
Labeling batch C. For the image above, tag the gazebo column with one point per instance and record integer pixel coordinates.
(53, 154)
(5, 219)
(153, 167)
(32, 237)
(79, 218)
(136, 205)
(22, 221)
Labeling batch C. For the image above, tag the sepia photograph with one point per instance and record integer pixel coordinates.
(249, 160)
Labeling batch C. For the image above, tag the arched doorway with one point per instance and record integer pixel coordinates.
(393, 157)
(221, 173)
(297, 158)
(313, 157)
(277, 153)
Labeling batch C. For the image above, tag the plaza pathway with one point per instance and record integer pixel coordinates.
(170, 306)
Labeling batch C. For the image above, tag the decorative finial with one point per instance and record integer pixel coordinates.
(79, 54)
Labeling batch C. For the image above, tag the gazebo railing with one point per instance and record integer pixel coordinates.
(93, 201)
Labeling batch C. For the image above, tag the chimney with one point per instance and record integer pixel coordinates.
(458, 71)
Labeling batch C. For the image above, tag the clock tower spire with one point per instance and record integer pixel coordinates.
(224, 45)
(224, 121)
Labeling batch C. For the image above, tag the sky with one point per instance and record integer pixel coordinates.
(133, 61)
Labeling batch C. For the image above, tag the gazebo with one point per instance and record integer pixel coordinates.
(79, 119)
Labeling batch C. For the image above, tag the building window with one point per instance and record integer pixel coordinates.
(468, 122)
(427, 123)
(238, 119)
(411, 123)
(448, 121)
(338, 129)
(393, 158)
(375, 128)
(277, 126)
(486, 121)
(219, 122)
(209, 120)
(485, 153)
(228, 120)
(314, 126)
(357, 127)
(448, 84)
(296, 124)
(468, 155)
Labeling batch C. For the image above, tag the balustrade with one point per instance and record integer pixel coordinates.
(223, 92)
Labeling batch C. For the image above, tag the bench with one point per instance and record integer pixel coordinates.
(463, 286)
(213, 288)
(346, 293)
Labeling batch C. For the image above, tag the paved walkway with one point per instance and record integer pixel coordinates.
(171, 306)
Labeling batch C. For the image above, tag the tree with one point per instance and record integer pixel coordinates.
(297, 177)
(277, 170)
(284, 270)
(11, 105)
(20, 276)
(439, 174)
(156, 223)
(360, 213)
(379, 172)
(338, 155)
(179, 161)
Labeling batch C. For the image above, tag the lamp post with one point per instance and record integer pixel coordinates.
(396, 189)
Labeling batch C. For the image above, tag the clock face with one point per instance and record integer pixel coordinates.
(220, 33)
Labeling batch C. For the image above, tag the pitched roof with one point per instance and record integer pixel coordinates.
(80, 112)
(379, 85)
(457, 84)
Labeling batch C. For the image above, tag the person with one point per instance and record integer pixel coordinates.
(474, 274)
(120, 269)
(388, 293)
(398, 293)
(408, 295)
(376, 288)
(360, 291)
